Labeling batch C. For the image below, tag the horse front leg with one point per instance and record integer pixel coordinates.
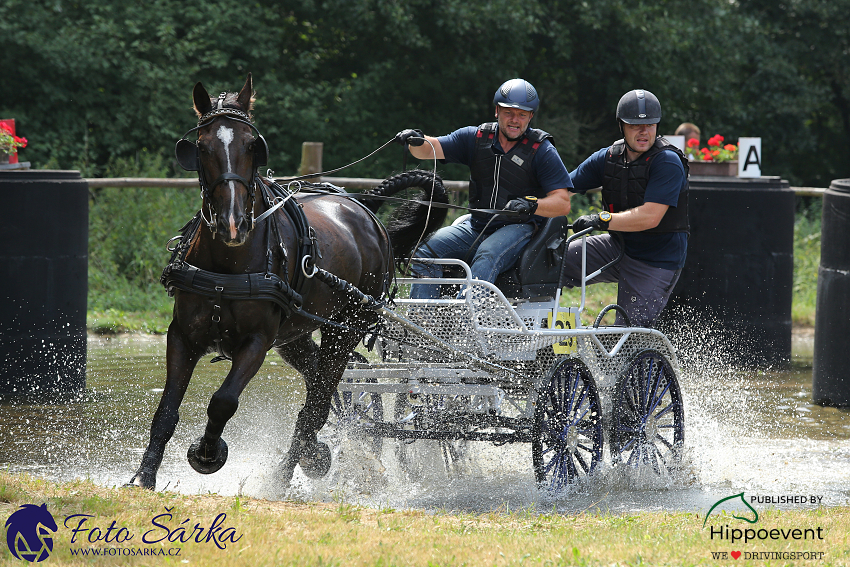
(322, 368)
(181, 360)
(209, 452)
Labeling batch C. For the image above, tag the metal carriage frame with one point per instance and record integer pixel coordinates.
(480, 366)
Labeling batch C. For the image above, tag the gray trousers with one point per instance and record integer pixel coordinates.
(643, 290)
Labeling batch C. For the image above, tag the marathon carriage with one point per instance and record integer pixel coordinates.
(505, 363)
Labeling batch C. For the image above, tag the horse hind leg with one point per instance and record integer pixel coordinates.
(322, 369)
(209, 452)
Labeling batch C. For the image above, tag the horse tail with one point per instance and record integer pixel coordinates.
(411, 223)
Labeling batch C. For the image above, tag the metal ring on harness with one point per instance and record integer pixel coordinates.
(172, 239)
(304, 262)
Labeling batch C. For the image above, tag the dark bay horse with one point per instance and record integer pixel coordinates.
(347, 241)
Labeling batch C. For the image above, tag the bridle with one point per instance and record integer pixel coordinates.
(189, 159)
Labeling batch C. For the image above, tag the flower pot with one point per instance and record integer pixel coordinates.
(713, 168)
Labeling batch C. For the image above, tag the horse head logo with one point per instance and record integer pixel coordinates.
(29, 532)
(747, 504)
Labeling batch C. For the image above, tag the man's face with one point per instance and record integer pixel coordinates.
(512, 121)
(640, 137)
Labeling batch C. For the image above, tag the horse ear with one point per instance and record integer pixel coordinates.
(202, 99)
(246, 95)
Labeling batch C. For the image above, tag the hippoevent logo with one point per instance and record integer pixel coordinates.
(736, 534)
(28, 533)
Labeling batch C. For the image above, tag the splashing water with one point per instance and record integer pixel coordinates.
(746, 430)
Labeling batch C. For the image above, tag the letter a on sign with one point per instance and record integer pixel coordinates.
(749, 157)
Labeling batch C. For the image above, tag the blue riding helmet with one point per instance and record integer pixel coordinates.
(517, 93)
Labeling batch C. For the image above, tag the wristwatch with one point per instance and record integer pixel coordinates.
(605, 216)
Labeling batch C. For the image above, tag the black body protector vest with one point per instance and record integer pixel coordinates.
(624, 184)
(497, 179)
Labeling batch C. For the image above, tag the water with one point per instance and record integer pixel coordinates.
(751, 431)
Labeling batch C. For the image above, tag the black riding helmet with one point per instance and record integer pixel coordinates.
(638, 107)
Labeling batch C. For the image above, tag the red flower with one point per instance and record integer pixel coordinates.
(715, 140)
(705, 151)
(693, 143)
(5, 127)
(730, 147)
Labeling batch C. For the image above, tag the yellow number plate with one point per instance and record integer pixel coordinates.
(566, 320)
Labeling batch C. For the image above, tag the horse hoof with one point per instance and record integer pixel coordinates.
(141, 480)
(209, 462)
(318, 464)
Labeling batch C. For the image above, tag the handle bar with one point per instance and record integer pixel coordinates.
(616, 235)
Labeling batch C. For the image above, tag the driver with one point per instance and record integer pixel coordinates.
(512, 167)
(644, 183)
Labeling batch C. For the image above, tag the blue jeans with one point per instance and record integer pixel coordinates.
(491, 256)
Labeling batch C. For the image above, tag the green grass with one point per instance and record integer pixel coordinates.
(312, 534)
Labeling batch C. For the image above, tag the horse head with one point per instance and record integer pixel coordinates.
(226, 156)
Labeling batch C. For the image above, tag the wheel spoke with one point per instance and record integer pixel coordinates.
(665, 441)
(657, 400)
(665, 409)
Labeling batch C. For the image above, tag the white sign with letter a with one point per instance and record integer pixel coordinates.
(749, 157)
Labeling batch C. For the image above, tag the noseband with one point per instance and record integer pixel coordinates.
(189, 158)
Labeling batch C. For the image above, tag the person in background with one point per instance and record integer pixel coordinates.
(644, 183)
(692, 134)
(512, 167)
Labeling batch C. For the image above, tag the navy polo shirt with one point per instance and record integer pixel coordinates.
(666, 180)
(547, 166)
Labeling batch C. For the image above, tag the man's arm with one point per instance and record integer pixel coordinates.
(643, 217)
(555, 204)
(425, 151)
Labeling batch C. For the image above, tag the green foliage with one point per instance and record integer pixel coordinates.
(95, 81)
(807, 232)
(128, 229)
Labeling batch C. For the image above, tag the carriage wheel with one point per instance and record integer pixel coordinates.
(567, 442)
(352, 411)
(649, 417)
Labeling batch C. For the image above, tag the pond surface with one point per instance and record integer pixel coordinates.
(755, 431)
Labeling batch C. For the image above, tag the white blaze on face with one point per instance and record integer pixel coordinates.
(226, 136)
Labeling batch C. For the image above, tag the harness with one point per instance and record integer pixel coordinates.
(265, 286)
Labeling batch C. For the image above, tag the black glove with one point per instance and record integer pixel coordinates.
(588, 221)
(525, 207)
(410, 137)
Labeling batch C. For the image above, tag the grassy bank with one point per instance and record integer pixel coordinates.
(306, 534)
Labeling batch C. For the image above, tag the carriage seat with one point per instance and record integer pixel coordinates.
(538, 271)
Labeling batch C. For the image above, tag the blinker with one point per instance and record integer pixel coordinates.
(187, 155)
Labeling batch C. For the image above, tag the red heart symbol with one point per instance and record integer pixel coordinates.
(736, 554)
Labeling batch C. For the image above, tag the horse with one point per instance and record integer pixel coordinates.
(242, 235)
